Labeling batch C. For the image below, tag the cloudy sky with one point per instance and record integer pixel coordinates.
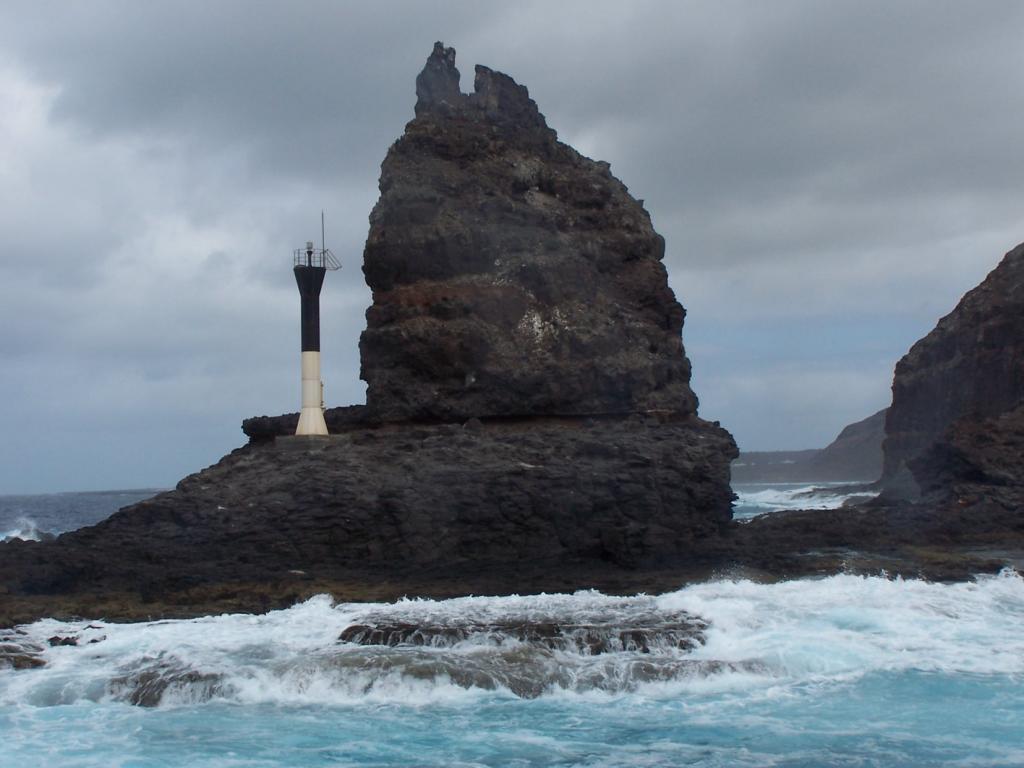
(829, 177)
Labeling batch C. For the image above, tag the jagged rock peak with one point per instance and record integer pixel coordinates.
(511, 275)
(496, 97)
(437, 86)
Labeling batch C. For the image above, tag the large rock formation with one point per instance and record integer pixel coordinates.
(529, 422)
(511, 276)
(970, 365)
(506, 506)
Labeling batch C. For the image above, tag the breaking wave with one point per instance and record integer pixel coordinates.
(758, 499)
(840, 671)
(26, 529)
(725, 633)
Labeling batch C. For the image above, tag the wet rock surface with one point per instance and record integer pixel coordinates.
(527, 646)
(17, 651)
(151, 681)
(579, 638)
(641, 632)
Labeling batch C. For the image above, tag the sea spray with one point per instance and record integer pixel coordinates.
(794, 630)
(760, 498)
(25, 529)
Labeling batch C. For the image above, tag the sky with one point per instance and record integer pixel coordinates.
(830, 178)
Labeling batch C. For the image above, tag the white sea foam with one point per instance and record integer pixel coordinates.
(25, 529)
(758, 499)
(762, 639)
(849, 624)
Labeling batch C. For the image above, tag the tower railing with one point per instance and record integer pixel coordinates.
(315, 257)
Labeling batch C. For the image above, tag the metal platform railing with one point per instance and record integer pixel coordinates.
(315, 257)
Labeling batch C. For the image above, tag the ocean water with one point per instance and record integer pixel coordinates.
(838, 671)
(754, 499)
(33, 517)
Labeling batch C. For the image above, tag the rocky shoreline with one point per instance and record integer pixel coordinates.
(899, 542)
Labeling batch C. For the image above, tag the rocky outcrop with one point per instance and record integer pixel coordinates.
(261, 428)
(474, 505)
(529, 421)
(854, 456)
(511, 276)
(970, 366)
(953, 485)
(976, 461)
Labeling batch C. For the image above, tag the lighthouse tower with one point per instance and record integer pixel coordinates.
(310, 266)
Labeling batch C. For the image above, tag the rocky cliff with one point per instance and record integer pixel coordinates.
(511, 275)
(970, 365)
(976, 462)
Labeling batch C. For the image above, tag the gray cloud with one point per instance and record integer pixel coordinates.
(829, 178)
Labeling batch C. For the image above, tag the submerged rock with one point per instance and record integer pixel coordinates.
(633, 625)
(684, 634)
(152, 681)
(18, 652)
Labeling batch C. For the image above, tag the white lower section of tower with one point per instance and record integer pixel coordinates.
(311, 418)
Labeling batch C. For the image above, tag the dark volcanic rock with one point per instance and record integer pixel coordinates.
(971, 365)
(511, 276)
(518, 287)
(259, 428)
(680, 631)
(976, 461)
(401, 502)
(17, 652)
(855, 455)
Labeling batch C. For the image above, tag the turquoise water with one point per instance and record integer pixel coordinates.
(902, 719)
(843, 671)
